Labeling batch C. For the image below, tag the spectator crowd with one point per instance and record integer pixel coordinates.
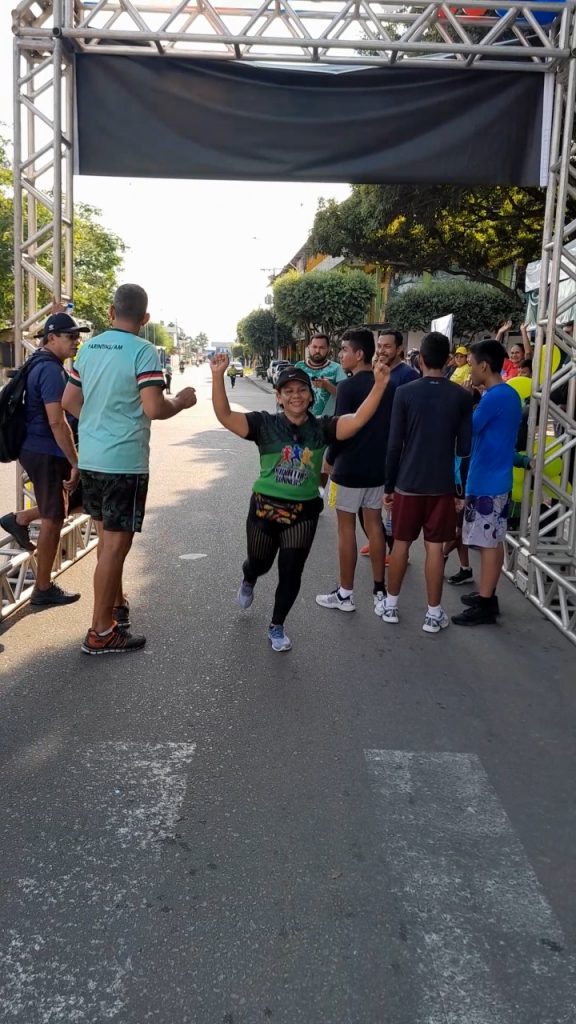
(427, 448)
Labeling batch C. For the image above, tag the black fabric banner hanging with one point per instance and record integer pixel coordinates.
(164, 117)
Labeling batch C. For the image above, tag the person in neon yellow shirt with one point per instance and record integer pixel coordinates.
(461, 375)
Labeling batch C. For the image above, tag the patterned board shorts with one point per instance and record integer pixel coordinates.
(485, 520)
(117, 499)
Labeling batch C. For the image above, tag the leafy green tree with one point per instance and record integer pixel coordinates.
(98, 256)
(476, 307)
(158, 335)
(326, 301)
(466, 232)
(261, 332)
(238, 351)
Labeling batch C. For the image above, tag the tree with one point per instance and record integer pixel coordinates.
(465, 232)
(325, 301)
(476, 307)
(261, 332)
(238, 351)
(158, 335)
(98, 255)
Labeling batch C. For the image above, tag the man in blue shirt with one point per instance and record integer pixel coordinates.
(48, 453)
(495, 428)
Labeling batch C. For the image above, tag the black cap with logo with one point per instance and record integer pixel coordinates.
(62, 323)
(293, 373)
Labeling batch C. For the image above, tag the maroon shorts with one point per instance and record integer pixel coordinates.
(435, 514)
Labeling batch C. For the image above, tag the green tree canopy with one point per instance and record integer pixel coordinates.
(476, 307)
(327, 301)
(98, 256)
(259, 331)
(158, 335)
(467, 232)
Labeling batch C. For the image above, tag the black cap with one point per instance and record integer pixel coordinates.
(292, 373)
(62, 323)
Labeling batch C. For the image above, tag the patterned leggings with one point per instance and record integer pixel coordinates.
(292, 545)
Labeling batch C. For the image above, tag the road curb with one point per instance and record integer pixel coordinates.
(262, 385)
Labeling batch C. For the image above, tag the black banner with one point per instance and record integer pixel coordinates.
(163, 117)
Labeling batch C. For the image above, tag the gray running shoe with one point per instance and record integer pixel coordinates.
(245, 594)
(20, 534)
(54, 595)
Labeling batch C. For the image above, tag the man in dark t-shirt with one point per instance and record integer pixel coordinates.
(431, 424)
(359, 469)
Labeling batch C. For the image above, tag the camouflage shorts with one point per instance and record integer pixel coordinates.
(118, 500)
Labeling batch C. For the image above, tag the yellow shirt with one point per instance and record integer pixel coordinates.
(461, 374)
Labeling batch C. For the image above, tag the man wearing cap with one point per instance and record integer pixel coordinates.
(48, 453)
(461, 372)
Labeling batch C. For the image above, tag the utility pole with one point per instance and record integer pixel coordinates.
(272, 271)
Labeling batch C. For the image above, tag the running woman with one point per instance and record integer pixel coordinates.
(285, 506)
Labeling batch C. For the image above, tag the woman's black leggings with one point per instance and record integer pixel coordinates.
(292, 544)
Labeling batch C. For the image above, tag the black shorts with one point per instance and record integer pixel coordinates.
(118, 500)
(48, 473)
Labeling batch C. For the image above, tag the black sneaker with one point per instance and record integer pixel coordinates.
(477, 615)
(121, 613)
(471, 600)
(21, 534)
(460, 577)
(54, 595)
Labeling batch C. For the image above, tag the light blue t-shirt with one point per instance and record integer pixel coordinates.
(495, 426)
(113, 430)
(324, 402)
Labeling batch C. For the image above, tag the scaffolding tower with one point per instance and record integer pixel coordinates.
(512, 35)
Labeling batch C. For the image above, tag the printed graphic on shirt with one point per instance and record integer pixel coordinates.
(290, 457)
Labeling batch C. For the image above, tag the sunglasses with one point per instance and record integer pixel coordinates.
(73, 335)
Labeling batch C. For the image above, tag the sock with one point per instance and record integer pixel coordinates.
(345, 593)
(106, 632)
(435, 610)
(378, 587)
(392, 600)
(465, 568)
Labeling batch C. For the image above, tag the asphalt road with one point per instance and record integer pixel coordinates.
(375, 828)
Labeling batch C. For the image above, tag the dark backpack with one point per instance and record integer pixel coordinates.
(13, 413)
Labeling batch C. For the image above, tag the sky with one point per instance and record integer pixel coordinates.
(198, 247)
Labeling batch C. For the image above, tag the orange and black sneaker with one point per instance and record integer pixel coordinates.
(117, 641)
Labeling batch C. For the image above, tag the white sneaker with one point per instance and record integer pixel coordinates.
(379, 596)
(389, 615)
(379, 603)
(433, 623)
(278, 639)
(333, 600)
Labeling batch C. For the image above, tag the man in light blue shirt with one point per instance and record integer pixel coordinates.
(324, 374)
(115, 390)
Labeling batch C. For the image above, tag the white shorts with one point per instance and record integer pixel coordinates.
(352, 499)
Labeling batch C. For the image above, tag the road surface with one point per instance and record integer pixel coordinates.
(376, 828)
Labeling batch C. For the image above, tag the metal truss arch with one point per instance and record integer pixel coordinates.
(532, 36)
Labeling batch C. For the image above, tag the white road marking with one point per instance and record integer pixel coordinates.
(193, 557)
(83, 883)
(487, 945)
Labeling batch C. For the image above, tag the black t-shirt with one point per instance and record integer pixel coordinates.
(361, 461)
(431, 424)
